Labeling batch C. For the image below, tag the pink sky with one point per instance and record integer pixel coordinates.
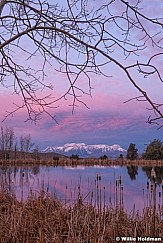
(108, 120)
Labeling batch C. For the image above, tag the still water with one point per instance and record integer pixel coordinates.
(131, 186)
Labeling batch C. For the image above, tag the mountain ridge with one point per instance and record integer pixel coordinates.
(86, 151)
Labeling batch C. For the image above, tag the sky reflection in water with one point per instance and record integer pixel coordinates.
(66, 181)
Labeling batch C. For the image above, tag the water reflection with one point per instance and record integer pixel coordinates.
(132, 171)
(131, 185)
(155, 173)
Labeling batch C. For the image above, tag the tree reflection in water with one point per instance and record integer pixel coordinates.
(12, 177)
(157, 175)
(132, 171)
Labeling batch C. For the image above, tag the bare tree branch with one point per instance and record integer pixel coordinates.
(78, 40)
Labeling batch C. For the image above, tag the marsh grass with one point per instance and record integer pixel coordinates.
(44, 218)
(82, 162)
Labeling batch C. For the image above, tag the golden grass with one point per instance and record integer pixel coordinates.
(45, 219)
(84, 162)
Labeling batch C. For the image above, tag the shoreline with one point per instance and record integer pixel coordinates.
(84, 162)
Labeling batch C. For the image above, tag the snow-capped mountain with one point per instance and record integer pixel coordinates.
(85, 151)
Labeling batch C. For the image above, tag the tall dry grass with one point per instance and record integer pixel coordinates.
(44, 218)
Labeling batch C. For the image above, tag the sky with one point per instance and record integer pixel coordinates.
(107, 120)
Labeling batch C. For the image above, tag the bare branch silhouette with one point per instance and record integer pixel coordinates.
(78, 39)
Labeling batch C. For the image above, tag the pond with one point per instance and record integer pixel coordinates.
(129, 186)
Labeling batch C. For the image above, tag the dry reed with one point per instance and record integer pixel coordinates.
(83, 162)
(45, 219)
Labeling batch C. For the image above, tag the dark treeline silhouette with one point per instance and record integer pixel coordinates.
(154, 150)
(74, 156)
(132, 152)
(103, 157)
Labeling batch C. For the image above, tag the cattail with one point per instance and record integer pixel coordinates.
(120, 180)
(116, 182)
(151, 188)
(147, 184)
(143, 191)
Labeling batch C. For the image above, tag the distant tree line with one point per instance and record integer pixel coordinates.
(153, 151)
(74, 156)
(10, 145)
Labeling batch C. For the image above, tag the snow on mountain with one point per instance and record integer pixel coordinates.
(86, 151)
